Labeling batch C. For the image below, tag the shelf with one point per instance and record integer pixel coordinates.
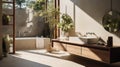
(10, 28)
(7, 2)
(10, 14)
(8, 25)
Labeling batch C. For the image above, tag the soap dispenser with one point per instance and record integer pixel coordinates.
(110, 41)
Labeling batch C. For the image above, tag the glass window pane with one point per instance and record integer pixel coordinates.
(7, 6)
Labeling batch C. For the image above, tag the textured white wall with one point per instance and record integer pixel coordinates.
(87, 15)
(69, 9)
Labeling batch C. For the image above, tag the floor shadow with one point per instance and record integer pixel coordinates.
(89, 62)
(80, 60)
(18, 62)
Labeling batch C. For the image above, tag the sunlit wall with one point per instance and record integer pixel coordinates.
(87, 15)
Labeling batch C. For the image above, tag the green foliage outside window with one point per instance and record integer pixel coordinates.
(20, 3)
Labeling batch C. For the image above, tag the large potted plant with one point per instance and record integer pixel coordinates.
(66, 25)
(48, 15)
(52, 20)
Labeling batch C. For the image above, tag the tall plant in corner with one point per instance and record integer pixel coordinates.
(52, 19)
(48, 14)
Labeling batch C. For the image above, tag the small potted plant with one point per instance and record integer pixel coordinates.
(5, 19)
(66, 25)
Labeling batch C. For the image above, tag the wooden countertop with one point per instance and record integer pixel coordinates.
(80, 43)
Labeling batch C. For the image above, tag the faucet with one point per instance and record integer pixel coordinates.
(79, 34)
(91, 33)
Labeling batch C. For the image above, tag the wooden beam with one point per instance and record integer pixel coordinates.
(13, 26)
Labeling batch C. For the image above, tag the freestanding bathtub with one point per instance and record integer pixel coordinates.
(30, 43)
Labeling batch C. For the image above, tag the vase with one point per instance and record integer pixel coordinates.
(64, 35)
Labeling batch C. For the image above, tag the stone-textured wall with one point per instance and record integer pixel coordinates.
(26, 24)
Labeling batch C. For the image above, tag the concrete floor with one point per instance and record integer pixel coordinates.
(41, 58)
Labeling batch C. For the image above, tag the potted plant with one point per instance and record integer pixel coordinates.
(6, 41)
(5, 19)
(66, 25)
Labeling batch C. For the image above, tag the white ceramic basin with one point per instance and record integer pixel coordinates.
(89, 40)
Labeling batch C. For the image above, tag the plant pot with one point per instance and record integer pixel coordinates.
(49, 48)
(64, 35)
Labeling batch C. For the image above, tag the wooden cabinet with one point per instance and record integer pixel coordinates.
(60, 46)
(96, 54)
(74, 49)
(91, 51)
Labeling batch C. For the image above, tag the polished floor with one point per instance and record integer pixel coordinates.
(41, 58)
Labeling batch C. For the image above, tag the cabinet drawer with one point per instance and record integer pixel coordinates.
(59, 46)
(74, 49)
(96, 54)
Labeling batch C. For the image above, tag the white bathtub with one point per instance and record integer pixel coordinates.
(30, 43)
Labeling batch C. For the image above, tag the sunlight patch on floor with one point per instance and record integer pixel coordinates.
(43, 57)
